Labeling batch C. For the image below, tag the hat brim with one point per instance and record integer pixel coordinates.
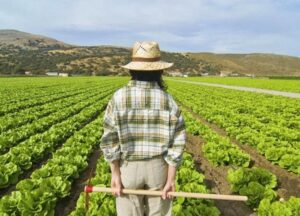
(147, 66)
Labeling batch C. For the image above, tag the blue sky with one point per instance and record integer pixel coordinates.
(221, 26)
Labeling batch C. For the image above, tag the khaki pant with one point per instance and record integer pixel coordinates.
(144, 174)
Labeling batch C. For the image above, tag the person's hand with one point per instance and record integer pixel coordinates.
(116, 184)
(169, 187)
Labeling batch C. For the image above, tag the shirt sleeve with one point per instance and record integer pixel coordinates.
(110, 140)
(178, 136)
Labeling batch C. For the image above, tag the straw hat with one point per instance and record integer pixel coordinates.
(146, 57)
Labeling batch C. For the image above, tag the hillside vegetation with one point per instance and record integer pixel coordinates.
(20, 52)
(256, 63)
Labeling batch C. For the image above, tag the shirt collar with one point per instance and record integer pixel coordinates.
(143, 84)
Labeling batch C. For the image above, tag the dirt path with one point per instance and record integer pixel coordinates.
(241, 88)
(288, 183)
(215, 179)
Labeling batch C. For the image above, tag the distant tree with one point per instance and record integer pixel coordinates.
(114, 61)
(18, 69)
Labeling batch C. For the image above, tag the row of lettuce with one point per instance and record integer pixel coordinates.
(13, 120)
(39, 194)
(69, 141)
(40, 105)
(20, 90)
(270, 124)
(8, 108)
(21, 158)
(290, 85)
(258, 184)
(39, 119)
(22, 93)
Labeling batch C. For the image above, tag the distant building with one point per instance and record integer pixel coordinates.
(175, 74)
(234, 74)
(186, 74)
(63, 74)
(52, 73)
(250, 75)
(224, 73)
(57, 74)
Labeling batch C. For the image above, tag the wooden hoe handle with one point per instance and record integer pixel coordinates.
(89, 189)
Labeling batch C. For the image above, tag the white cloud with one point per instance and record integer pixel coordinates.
(204, 25)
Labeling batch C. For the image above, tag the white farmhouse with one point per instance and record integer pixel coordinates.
(175, 74)
(57, 74)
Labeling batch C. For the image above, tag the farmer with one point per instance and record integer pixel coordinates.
(144, 135)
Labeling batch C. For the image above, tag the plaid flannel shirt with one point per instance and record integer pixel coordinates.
(142, 121)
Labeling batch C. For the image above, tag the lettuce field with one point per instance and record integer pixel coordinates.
(237, 143)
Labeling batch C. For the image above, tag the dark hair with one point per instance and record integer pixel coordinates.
(149, 76)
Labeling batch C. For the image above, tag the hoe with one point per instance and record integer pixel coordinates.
(89, 188)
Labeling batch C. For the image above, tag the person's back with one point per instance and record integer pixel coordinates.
(144, 136)
(145, 118)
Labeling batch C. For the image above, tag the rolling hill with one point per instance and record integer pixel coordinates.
(256, 63)
(21, 51)
(28, 41)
